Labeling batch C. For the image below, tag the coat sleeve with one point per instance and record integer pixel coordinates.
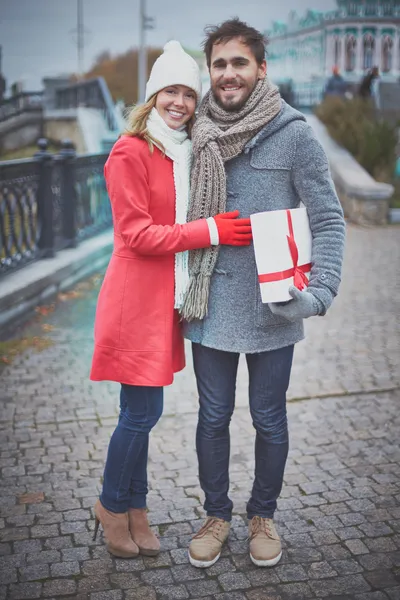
(313, 183)
(127, 184)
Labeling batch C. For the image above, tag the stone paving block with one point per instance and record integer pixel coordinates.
(58, 543)
(335, 552)
(75, 554)
(172, 592)
(44, 531)
(98, 582)
(265, 577)
(91, 567)
(223, 565)
(233, 581)
(371, 596)
(182, 573)
(356, 547)
(180, 556)
(349, 584)
(129, 566)
(65, 569)
(8, 575)
(323, 538)
(345, 567)
(73, 527)
(262, 594)
(203, 587)
(142, 593)
(321, 570)
(157, 577)
(110, 595)
(154, 562)
(288, 573)
(34, 572)
(383, 578)
(125, 580)
(25, 591)
(59, 587)
(349, 533)
(295, 591)
(376, 560)
(13, 534)
(47, 556)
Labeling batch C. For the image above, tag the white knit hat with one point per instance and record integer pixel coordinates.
(174, 67)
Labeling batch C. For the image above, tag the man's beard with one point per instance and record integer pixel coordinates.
(236, 106)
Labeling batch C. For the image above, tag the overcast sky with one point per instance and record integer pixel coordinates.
(37, 35)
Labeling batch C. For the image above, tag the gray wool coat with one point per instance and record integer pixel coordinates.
(281, 166)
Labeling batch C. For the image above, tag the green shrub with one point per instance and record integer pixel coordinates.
(353, 124)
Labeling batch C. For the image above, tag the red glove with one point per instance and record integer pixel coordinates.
(233, 231)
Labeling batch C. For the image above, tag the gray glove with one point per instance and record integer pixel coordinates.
(303, 305)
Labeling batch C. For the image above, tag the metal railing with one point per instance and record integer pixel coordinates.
(21, 103)
(49, 203)
(91, 93)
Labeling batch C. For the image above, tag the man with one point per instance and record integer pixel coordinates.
(252, 152)
(336, 85)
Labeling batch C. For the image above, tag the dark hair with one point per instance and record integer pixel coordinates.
(234, 28)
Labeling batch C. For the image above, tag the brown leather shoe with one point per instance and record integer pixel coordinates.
(116, 532)
(265, 544)
(205, 547)
(141, 533)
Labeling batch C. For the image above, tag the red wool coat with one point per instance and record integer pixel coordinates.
(138, 338)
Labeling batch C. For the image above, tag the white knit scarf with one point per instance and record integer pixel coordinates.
(178, 147)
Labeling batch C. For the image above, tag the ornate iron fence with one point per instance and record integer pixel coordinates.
(49, 203)
(93, 210)
(19, 224)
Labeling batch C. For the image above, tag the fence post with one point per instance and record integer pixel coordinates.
(68, 192)
(45, 200)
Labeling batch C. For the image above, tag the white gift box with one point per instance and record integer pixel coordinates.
(282, 245)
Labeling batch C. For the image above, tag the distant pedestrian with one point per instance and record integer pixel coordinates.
(366, 87)
(336, 85)
(138, 337)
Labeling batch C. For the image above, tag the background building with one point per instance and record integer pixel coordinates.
(357, 35)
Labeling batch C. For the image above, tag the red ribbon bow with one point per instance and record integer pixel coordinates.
(297, 272)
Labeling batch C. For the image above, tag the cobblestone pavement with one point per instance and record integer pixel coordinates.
(339, 515)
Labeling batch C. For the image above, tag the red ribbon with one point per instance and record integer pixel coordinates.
(297, 272)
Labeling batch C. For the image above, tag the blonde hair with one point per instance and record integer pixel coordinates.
(137, 122)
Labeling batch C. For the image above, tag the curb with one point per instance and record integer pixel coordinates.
(41, 281)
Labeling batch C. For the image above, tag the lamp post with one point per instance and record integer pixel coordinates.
(80, 36)
(145, 23)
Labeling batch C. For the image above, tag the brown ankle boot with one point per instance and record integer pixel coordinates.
(141, 533)
(116, 532)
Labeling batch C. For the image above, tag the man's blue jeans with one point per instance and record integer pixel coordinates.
(269, 374)
(125, 473)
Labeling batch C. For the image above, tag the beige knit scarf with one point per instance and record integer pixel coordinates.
(219, 136)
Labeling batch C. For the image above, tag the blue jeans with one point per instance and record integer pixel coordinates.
(125, 473)
(269, 374)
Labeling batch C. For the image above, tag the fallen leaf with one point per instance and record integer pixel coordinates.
(31, 498)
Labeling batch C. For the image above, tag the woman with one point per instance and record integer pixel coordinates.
(138, 339)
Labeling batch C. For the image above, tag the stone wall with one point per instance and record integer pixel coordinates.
(364, 200)
(60, 128)
(363, 212)
(21, 131)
